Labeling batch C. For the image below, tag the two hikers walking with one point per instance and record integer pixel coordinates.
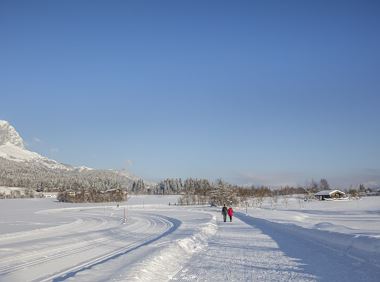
(228, 211)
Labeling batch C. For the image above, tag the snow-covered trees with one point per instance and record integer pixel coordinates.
(92, 195)
(169, 186)
(38, 177)
(223, 193)
(138, 187)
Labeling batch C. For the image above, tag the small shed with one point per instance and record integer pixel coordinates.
(330, 194)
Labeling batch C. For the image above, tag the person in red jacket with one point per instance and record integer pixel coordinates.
(230, 212)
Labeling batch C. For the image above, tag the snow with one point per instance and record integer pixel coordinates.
(357, 217)
(9, 135)
(15, 153)
(327, 192)
(241, 253)
(18, 154)
(12, 148)
(8, 190)
(45, 240)
(83, 168)
(152, 200)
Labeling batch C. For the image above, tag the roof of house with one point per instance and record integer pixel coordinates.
(327, 192)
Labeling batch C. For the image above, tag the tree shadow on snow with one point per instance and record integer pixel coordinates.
(312, 257)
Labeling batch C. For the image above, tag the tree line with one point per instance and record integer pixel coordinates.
(202, 191)
(92, 185)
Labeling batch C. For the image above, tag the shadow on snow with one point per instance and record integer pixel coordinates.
(314, 257)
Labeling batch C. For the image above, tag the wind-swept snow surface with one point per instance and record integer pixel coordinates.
(158, 242)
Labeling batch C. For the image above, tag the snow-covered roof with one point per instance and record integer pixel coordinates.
(328, 192)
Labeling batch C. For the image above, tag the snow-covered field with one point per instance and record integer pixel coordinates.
(43, 240)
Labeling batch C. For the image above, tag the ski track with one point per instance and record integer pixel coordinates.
(178, 244)
(65, 252)
(248, 249)
(238, 252)
(162, 259)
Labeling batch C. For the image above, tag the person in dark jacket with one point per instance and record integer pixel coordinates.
(224, 213)
(230, 212)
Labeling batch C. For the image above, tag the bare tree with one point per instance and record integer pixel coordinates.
(324, 185)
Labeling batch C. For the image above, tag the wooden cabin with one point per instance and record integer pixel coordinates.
(330, 194)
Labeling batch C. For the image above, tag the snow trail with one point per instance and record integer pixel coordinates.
(99, 239)
(162, 260)
(240, 252)
(163, 243)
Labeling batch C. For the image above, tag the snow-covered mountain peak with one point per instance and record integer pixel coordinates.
(12, 148)
(9, 135)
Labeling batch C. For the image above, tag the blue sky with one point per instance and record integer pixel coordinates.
(262, 92)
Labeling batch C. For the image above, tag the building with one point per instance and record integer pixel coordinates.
(372, 192)
(330, 194)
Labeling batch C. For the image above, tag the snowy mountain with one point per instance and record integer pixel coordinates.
(12, 148)
(9, 135)
(23, 168)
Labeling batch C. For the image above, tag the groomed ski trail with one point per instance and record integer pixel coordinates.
(239, 252)
(244, 251)
(100, 238)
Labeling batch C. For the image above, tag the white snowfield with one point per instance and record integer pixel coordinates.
(43, 240)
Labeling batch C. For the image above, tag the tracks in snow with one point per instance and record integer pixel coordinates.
(253, 249)
(100, 239)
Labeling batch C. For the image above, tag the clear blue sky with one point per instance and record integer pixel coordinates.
(263, 92)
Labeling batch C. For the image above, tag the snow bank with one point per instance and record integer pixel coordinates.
(198, 241)
(165, 263)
